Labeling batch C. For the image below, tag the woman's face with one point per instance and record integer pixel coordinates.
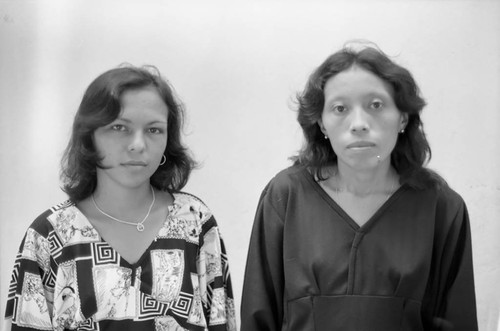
(360, 118)
(133, 144)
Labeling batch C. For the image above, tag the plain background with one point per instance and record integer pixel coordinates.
(237, 65)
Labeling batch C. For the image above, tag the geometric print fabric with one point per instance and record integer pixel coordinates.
(81, 282)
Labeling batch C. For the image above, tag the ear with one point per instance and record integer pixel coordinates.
(321, 126)
(404, 121)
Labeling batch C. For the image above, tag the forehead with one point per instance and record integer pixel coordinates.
(356, 82)
(145, 101)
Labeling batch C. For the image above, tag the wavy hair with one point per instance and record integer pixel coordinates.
(100, 106)
(412, 150)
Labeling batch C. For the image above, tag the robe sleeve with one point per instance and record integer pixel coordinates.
(453, 302)
(262, 299)
(215, 281)
(30, 298)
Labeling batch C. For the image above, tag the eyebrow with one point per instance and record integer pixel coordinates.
(369, 94)
(152, 122)
(377, 93)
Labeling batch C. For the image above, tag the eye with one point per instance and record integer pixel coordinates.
(339, 109)
(118, 127)
(378, 105)
(155, 130)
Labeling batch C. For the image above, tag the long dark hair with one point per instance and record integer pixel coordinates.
(412, 150)
(100, 106)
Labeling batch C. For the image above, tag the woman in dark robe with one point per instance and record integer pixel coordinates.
(358, 234)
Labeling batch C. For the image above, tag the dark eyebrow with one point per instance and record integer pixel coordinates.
(123, 119)
(150, 123)
(157, 122)
(381, 92)
(378, 93)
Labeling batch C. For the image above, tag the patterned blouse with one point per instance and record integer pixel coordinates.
(67, 277)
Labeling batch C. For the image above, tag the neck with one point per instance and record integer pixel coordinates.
(119, 201)
(378, 180)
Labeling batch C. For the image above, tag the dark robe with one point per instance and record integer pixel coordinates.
(311, 267)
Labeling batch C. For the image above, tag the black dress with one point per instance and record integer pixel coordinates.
(311, 267)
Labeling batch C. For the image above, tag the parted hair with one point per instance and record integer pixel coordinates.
(100, 106)
(412, 150)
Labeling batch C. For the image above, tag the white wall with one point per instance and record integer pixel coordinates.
(237, 64)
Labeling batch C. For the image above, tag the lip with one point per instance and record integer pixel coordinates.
(361, 144)
(135, 163)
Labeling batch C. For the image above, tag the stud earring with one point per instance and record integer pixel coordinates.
(326, 137)
(402, 131)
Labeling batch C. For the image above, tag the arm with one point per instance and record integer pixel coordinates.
(30, 298)
(215, 281)
(461, 299)
(455, 303)
(262, 299)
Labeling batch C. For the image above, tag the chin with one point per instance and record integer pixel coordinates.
(361, 162)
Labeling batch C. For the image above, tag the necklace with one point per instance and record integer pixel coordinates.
(139, 225)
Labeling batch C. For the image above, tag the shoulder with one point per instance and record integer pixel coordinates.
(424, 178)
(449, 199)
(287, 179)
(189, 205)
(187, 199)
(442, 196)
(443, 204)
(50, 231)
(288, 186)
(44, 223)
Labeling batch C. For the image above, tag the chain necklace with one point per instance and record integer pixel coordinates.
(139, 225)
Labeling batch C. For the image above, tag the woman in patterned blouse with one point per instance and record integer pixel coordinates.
(128, 250)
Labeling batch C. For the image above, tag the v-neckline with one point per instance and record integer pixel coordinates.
(171, 209)
(344, 215)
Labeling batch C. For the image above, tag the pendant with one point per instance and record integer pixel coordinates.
(140, 227)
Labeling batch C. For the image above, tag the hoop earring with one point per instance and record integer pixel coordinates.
(163, 159)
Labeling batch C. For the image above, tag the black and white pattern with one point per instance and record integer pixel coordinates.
(102, 253)
(83, 282)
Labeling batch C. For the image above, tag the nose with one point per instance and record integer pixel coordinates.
(137, 142)
(359, 121)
